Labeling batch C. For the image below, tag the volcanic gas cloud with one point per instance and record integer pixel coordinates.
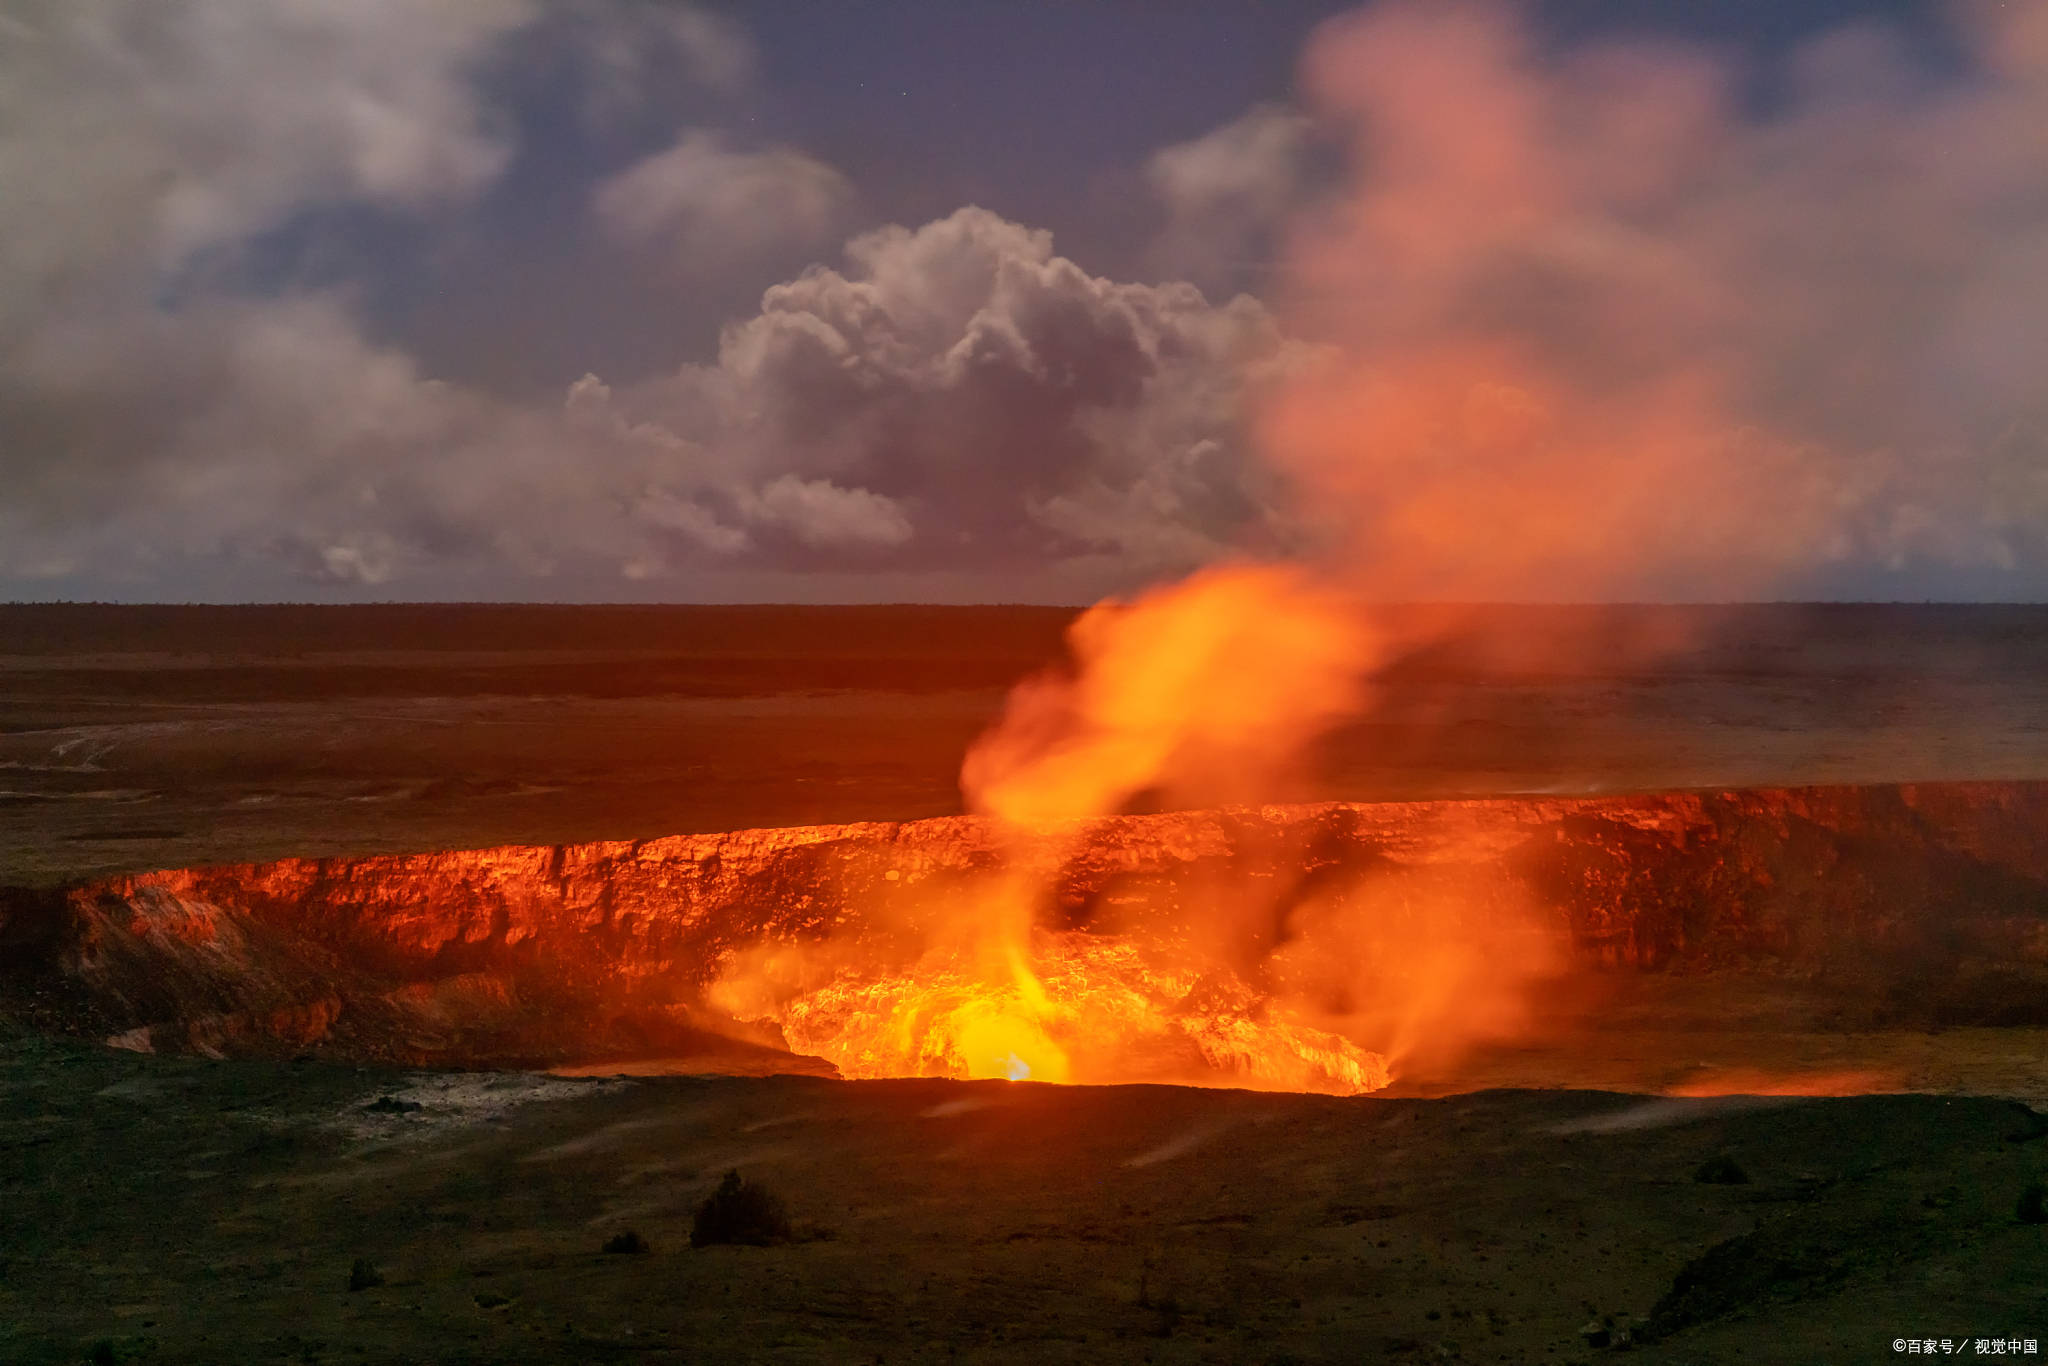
(1200, 693)
(1531, 378)
(1545, 325)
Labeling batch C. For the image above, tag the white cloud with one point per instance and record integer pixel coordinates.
(133, 134)
(1830, 312)
(716, 50)
(708, 205)
(696, 525)
(1227, 193)
(965, 370)
(627, 55)
(822, 515)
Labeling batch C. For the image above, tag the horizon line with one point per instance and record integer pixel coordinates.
(613, 604)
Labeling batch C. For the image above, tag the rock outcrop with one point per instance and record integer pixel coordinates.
(1914, 902)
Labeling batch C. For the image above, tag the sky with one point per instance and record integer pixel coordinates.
(960, 300)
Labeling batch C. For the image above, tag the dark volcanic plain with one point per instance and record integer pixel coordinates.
(150, 737)
(187, 1210)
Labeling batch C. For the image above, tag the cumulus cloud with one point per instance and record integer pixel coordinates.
(628, 48)
(136, 134)
(820, 514)
(1228, 193)
(622, 66)
(163, 426)
(1577, 322)
(360, 560)
(139, 409)
(697, 527)
(957, 395)
(708, 205)
(1022, 409)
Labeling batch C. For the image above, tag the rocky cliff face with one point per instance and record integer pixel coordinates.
(1923, 902)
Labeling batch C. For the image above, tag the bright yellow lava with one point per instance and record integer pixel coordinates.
(1089, 1009)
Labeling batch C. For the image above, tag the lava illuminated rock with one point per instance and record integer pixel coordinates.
(1929, 899)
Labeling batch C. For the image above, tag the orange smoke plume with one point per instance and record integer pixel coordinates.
(1206, 689)
(1525, 387)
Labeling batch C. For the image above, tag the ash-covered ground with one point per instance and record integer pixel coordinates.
(180, 1210)
(158, 1208)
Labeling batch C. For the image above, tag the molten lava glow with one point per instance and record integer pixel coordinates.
(1456, 440)
(1536, 373)
(1204, 692)
(1095, 1011)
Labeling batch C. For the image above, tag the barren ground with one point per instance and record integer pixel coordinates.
(185, 1211)
(163, 1209)
(138, 737)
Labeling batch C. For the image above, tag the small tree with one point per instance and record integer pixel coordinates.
(740, 1212)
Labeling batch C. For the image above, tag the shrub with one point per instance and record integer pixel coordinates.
(740, 1212)
(363, 1276)
(2031, 1208)
(628, 1242)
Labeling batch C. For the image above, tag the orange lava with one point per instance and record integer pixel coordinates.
(1085, 1009)
(1200, 693)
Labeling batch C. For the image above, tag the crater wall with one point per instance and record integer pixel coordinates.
(1918, 903)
